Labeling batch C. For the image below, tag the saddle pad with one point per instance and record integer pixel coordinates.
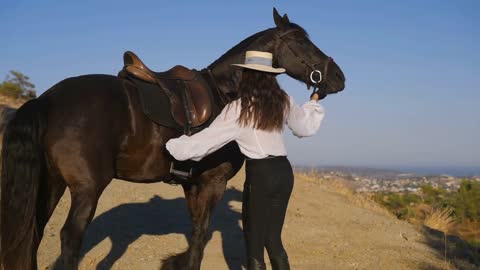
(155, 104)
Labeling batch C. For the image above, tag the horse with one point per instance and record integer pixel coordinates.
(85, 131)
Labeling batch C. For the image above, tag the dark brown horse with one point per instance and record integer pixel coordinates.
(87, 130)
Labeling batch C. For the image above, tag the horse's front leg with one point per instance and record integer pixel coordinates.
(201, 199)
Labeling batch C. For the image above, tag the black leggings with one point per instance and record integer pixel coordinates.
(267, 189)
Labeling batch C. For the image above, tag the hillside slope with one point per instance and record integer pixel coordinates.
(136, 225)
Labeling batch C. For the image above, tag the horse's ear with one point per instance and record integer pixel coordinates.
(278, 19)
(285, 19)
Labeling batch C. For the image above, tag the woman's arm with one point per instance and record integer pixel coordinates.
(305, 120)
(221, 131)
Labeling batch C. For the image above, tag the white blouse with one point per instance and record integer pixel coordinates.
(303, 120)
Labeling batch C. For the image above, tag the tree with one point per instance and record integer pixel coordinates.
(17, 85)
(432, 195)
(467, 201)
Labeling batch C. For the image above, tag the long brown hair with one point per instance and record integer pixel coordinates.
(263, 102)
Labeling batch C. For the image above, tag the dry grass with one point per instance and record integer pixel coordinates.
(468, 230)
(441, 220)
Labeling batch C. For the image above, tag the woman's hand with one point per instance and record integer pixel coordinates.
(314, 96)
(317, 95)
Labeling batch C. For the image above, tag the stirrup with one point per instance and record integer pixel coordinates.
(182, 172)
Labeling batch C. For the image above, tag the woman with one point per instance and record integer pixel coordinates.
(255, 121)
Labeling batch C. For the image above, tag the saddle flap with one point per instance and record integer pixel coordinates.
(194, 96)
(201, 102)
(187, 94)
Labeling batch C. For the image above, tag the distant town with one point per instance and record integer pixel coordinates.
(374, 180)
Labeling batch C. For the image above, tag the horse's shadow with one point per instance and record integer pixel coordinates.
(126, 223)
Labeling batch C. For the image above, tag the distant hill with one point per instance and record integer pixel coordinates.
(359, 171)
(381, 173)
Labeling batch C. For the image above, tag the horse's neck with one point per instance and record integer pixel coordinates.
(228, 77)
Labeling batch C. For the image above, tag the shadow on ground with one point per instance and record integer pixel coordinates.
(126, 223)
(460, 253)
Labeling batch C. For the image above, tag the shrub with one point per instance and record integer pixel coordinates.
(17, 85)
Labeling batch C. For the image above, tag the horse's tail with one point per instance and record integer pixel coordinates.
(22, 174)
(6, 114)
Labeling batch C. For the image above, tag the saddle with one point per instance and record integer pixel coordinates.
(179, 97)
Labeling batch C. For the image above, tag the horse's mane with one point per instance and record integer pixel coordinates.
(240, 47)
(298, 27)
(244, 44)
(227, 79)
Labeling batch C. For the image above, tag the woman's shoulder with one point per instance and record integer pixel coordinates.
(232, 108)
(236, 103)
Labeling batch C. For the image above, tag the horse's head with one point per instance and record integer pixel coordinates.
(302, 59)
(292, 50)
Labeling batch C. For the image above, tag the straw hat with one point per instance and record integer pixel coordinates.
(259, 61)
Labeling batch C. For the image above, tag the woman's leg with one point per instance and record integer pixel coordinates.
(254, 213)
(281, 191)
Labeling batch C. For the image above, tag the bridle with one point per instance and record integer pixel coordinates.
(279, 37)
(310, 70)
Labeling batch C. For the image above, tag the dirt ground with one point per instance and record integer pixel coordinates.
(136, 225)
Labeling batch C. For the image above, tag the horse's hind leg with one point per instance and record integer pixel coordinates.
(84, 198)
(201, 199)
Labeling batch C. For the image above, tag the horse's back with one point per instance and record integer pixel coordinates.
(99, 118)
(93, 101)
(87, 119)
(94, 88)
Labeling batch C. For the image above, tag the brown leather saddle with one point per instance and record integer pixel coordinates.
(178, 98)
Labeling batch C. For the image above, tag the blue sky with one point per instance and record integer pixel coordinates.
(412, 92)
